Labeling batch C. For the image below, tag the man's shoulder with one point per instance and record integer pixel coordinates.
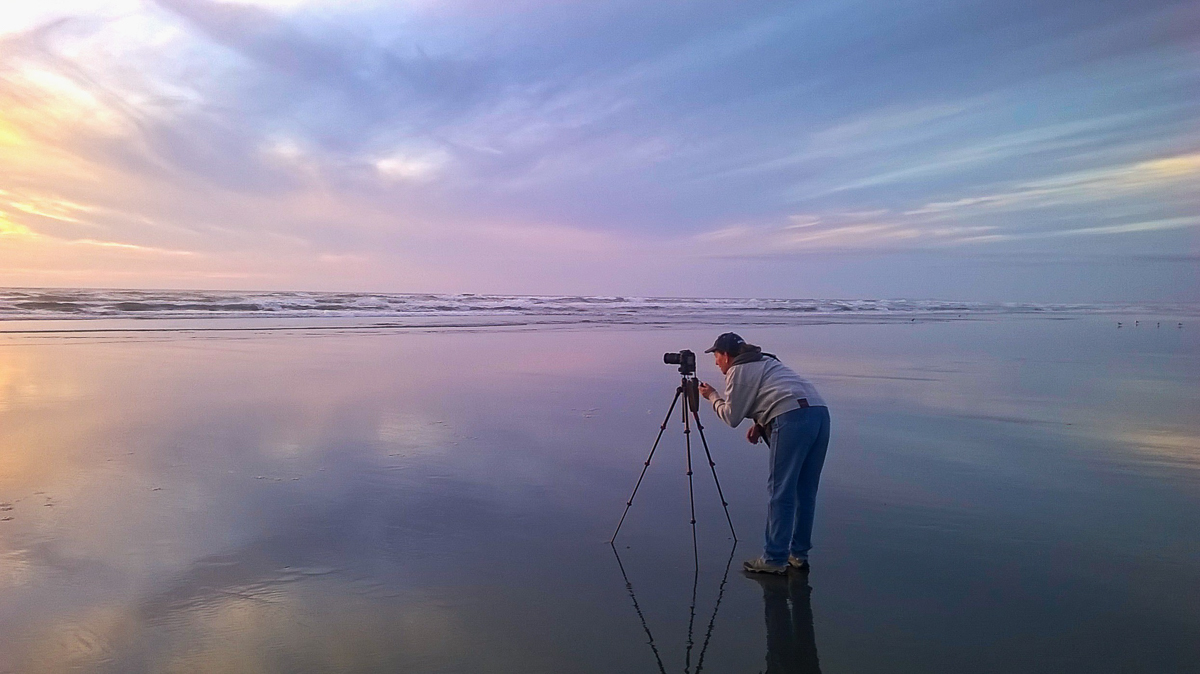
(774, 366)
(744, 369)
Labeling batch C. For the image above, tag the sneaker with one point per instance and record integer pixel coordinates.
(799, 563)
(760, 565)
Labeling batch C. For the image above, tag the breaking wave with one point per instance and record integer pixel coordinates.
(36, 304)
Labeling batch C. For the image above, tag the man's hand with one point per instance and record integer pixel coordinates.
(706, 390)
(754, 434)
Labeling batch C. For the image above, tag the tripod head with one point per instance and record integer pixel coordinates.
(690, 386)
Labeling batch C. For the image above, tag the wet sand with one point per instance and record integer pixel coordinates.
(1008, 494)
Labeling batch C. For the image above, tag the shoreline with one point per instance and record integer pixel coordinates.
(274, 324)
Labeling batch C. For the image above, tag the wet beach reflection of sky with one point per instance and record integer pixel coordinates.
(1003, 495)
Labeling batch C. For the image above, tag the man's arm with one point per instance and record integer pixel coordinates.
(733, 406)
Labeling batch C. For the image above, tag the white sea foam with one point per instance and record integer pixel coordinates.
(37, 304)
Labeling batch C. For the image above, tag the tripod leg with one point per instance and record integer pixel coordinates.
(662, 428)
(691, 642)
(713, 466)
(687, 441)
(716, 607)
(642, 616)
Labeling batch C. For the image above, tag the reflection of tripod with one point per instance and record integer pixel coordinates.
(687, 668)
(689, 388)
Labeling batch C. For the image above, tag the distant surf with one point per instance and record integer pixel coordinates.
(35, 308)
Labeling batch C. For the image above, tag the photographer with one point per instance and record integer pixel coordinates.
(790, 416)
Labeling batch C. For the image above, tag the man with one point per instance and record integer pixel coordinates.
(792, 418)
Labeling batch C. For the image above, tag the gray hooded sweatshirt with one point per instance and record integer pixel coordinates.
(759, 387)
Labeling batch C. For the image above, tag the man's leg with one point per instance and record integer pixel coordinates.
(791, 438)
(808, 480)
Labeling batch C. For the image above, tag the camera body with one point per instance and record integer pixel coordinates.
(686, 360)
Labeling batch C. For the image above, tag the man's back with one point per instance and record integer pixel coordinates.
(762, 389)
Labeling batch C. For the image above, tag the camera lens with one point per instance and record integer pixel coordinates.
(672, 358)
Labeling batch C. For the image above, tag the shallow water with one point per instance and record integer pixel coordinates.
(1006, 494)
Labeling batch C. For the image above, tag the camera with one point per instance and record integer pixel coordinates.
(686, 360)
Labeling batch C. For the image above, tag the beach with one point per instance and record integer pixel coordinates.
(1007, 489)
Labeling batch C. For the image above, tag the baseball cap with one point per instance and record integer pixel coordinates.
(730, 342)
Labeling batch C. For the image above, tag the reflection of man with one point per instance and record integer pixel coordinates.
(791, 642)
(791, 417)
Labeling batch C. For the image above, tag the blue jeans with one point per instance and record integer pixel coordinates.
(798, 441)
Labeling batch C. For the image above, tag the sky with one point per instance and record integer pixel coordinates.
(974, 150)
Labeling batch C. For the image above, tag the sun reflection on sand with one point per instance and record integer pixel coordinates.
(251, 629)
(1174, 447)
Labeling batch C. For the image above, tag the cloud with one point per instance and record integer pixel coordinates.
(412, 166)
(11, 229)
(833, 232)
(1167, 173)
(1164, 224)
(1163, 180)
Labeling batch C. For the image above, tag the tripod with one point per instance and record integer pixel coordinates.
(689, 389)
